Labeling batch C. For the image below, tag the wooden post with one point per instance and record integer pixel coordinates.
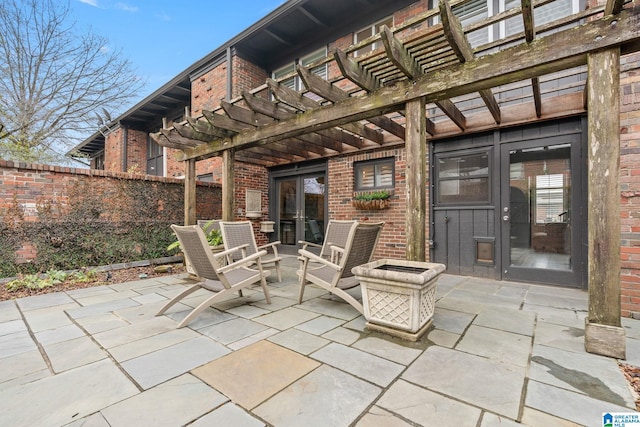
(603, 332)
(190, 192)
(415, 146)
(228, 185)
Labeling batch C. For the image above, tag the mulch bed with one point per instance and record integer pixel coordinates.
(104, 278)
(632, 374)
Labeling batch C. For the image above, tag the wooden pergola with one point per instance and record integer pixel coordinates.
(429, 84)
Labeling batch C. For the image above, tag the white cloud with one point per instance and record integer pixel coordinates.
(126, 7)
(93, 3)
(163, 16)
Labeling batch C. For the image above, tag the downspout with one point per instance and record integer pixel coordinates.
(125, 143)
(229, 74)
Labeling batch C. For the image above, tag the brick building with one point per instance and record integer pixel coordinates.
(507, 177)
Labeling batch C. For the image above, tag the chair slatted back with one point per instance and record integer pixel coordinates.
(362, 243)
(195, 247)
(238, 233)
(336, 235)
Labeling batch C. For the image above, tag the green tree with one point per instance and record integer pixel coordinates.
(53, 78)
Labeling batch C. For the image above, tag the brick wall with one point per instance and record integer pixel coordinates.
(33, 186)
(630, 184)
(252, 177)
(208, 89)
(392, 242)
(136, 151)
(113, 151)
(245, 76)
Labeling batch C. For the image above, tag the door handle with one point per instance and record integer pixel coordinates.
(505, 218)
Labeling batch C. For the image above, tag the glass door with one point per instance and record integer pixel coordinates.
(300, 208)
(540, 212)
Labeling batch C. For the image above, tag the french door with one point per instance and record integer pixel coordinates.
(300, 208)
(540, 212)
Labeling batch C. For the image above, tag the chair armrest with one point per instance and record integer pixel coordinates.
(272, 245)
(230, 251)
(248, 260)
(313, 257)
(337, 249)
(305, 244)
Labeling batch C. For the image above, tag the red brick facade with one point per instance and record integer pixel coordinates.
(136, 141)
(630, 184)
(341, 181)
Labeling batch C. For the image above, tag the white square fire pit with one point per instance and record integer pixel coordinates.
(399, 296)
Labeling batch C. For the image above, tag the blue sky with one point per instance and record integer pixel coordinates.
(164, 37)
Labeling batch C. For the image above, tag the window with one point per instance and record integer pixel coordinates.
(463, 178)
(369, 31)
(295, 82)
(98, 161)
(374, 175)
(472, 11)
(541, 15)
(207, 177)
(155, 158)
(549, 198)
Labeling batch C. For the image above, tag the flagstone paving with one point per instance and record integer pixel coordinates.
(498, 354)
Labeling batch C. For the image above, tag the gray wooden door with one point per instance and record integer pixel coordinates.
(540, 210)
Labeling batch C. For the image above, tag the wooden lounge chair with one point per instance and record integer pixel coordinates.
(216, 277)
(336, 277)
(238, 233)
(336, 235)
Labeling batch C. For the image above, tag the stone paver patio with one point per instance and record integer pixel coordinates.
(499, 354)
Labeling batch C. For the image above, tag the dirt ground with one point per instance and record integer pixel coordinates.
(104, 278)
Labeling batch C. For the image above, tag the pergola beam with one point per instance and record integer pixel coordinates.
(529, 36)
(613, 7)
(354, 72)
(224, 122)
(303, 103)
(275, 111)
(462, 48)
(402, 59)
(516, 63)
(325, 89)
(603, 331)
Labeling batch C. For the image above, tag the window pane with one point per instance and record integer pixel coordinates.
(463, 178)
(464, 190)
(463, 166)
(373, 175)
(384, 175)
(362, 34)
(365, 176)
(549, 198)
(470, 13)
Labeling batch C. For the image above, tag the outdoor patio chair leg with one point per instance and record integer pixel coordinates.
(278, 272)
(348, 298)
(178, 298)
(203, 306)
(263, 283)
(301, 294)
